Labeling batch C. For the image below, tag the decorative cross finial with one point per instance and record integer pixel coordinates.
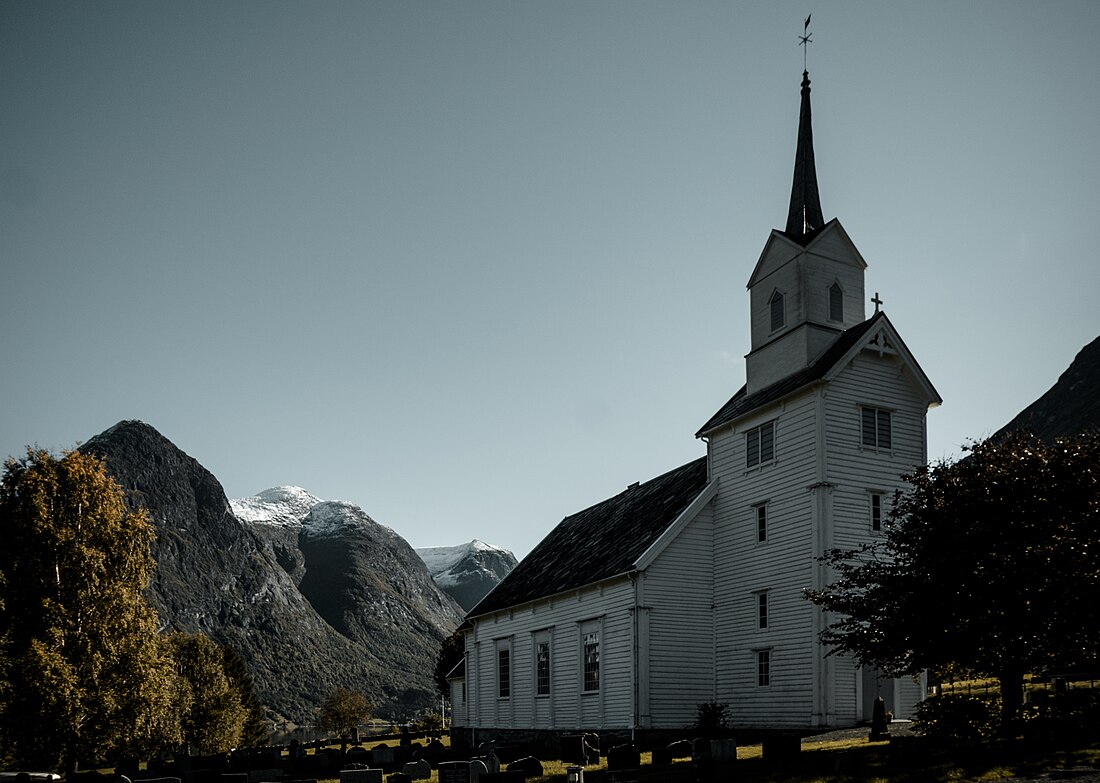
(805, 40)
(877, 301)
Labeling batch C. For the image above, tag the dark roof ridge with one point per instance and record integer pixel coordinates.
(599, 542)
(741, 402)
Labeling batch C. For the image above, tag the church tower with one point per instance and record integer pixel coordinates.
(807, 286)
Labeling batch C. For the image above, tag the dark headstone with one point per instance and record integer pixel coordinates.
(399, 777)
(623, 757)
(662, 757)
(510, 776)
(529, 765)
(879, 729)
(781, 748)
(454, 772)
(681, 749)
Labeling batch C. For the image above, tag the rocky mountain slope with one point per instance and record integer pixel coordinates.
(1071, 406)
(467, 572)
(332, 599)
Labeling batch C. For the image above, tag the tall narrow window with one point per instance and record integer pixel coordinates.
(761, 512)
(542, 665)
(876, 512)
(763, 668)
(836, 303)
(760, 444)
(761, 610)
(777, 311)
(504, 672)
(591, 661)
(876, 427)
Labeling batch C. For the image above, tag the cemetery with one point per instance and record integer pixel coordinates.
(884, 751)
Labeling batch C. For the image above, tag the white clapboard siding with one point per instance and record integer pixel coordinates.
(566, 708)
(782, 566)
(678, 600)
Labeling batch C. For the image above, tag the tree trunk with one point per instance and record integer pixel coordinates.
(1012, 698)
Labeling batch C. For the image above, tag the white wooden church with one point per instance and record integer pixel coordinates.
(688, 588)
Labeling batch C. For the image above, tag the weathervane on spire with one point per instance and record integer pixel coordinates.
(805, 40)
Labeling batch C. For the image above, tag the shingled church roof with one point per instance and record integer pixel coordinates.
(600, 542)
(742, 403)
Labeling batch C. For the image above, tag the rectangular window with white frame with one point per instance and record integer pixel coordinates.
(542, 663)
(763, 668)
(504, 669)
(760, 517)
(590, 657)
(876, 499)
(876, 428)
(761, 609)
(760, 444)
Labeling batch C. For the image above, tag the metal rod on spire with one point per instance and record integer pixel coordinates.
(805, 40)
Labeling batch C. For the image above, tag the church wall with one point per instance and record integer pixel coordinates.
(678, 591)
(607, 607)
(857, 471)
(781, 566)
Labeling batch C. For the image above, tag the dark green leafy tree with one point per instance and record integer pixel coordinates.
(343, 711)
(213, 717)
(254, 730)
(991, 565)
(84, 676)
(450, 653)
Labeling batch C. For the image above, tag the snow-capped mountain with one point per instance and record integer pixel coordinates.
(314, 595)
(467, 572)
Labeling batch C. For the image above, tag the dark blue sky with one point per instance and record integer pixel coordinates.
(475, 266)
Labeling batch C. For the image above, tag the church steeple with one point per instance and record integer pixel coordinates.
(804, 216)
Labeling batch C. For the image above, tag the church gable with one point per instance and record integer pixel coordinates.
(883, 340)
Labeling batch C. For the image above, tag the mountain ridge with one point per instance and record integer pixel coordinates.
(248, 586)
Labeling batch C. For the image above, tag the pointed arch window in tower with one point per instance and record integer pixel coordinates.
(836, 302)
(778, 312)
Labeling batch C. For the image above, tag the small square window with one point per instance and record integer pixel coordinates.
(876, 428)
(760, 444)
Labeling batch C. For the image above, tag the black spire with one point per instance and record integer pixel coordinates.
(804, 216)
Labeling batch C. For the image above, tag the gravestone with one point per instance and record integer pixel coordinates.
(399, 777)
(509, 776)
(360, 776)
(358, 755)
(681, 749)
(781, 748)
(455, 772)
(383, 756)
(623, 757)
(662, 757)
(477, 769)
(724, 749)
(418, 770)
(879, 729)
(529, 765)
